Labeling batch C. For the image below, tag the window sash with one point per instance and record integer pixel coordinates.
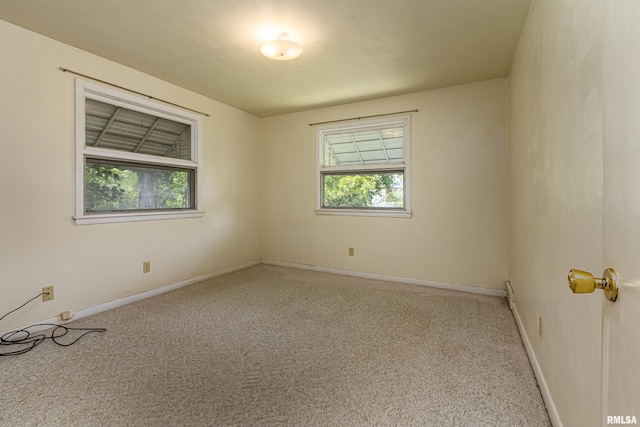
(374, 146)
(157, 196)
(374, 206)
(131, 130)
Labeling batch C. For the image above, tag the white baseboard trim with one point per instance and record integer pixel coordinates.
(148, 294)
(510, 295)
(542, 383)
(421, 282)
(79, 314)
(46, 324)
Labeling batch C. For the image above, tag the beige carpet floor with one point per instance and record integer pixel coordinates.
(272, 346)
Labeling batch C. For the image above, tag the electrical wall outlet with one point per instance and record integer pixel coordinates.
(351, 252)
(146, 267)
(47, 293)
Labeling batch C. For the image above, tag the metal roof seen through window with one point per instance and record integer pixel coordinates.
(117, 128)
(377, 146)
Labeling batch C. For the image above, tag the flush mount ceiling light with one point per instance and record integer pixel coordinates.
(281, 49)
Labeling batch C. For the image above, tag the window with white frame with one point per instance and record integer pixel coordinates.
(136, 159)
(363, 168)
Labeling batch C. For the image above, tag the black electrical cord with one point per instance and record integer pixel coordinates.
(27, 342)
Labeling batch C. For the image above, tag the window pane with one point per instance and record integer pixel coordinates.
(118, 128)
(364, 190)
(381, 146)
(115, 187)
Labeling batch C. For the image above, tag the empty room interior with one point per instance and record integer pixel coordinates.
(320, 213)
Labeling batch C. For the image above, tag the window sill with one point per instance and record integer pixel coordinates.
(133, 217)
(362, 212)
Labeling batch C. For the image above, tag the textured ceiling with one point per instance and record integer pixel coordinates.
(353, 49)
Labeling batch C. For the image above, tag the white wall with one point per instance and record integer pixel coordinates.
(458, 232)
(93, 264)
(555, 175)
(467, 227)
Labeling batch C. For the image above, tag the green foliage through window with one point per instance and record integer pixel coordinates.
(375, 190)
(111, 187)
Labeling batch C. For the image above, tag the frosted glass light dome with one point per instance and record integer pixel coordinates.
(281, 49)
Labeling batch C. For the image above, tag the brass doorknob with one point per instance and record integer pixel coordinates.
(583, 282)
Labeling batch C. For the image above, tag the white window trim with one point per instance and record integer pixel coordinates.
(321, 131)
(90, 90)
